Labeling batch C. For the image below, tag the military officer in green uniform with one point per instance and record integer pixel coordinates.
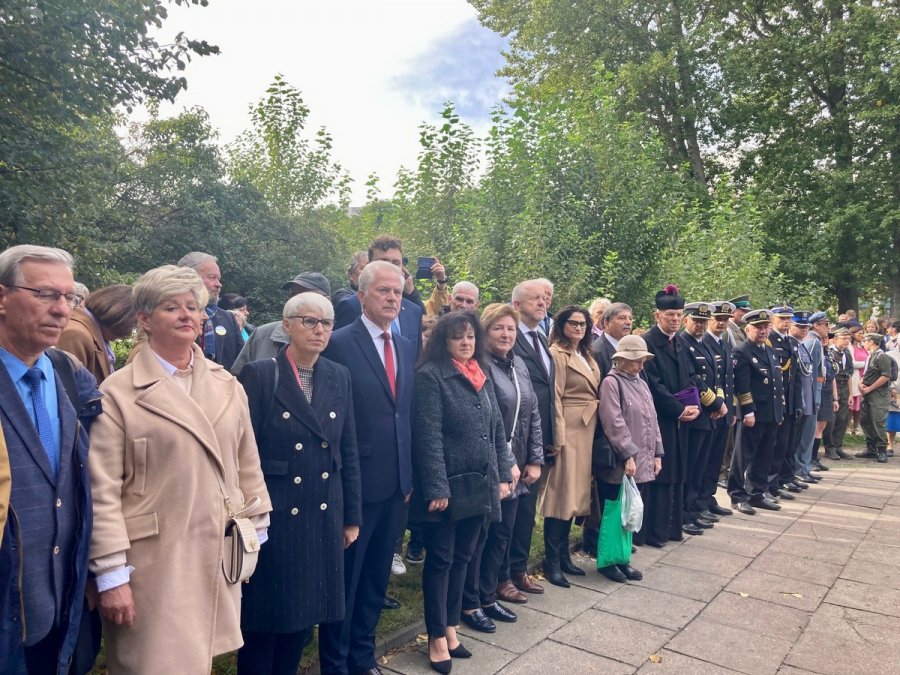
(876, 398)
(735, 332)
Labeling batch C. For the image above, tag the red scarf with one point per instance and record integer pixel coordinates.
(472, 372)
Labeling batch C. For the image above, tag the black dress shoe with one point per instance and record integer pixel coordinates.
(800, 484)
(479, 621)
(818, 466)
(866, 454)
(809, 480)
(720, 510)
(708, 516)
(613, 573)
(390, 603)
(743, 507)
(765, 504)
(787, 496)
(442, 667)
(655, 544)
(843, 455)
(690, 528)
(568, 567)
(500, 613)
(790, 487)
(772, 496)
(882, 457)
(702, 524)
(630, 573)
(460, 652)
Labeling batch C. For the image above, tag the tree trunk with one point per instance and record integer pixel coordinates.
(848, 297)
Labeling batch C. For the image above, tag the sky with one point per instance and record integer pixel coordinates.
(371, 71)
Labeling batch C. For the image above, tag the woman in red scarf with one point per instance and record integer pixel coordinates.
(461, 470)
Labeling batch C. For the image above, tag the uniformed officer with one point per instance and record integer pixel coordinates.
(781, 475)
(806, 384)
(843, 359)
(758, 386)
(696, 517)
(876, 398)
(736, 334)
(714, 341)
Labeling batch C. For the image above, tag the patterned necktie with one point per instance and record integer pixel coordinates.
(389, 363)
(34, 377)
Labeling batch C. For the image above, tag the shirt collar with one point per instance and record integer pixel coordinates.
(526, 330)
(714, 336)
(169, 368)
(612, 340)
(374, 329)
(17, 368)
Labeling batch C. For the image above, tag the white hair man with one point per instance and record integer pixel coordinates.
(464, 297)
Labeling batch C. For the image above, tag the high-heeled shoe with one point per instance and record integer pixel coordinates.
(460, 652)
(442, 667)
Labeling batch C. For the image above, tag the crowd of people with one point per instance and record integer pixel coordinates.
(233, 487)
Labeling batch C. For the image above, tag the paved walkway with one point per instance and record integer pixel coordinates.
(813, 588)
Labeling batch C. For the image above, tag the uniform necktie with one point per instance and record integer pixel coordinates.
(537, 349)
(389, 363)
(34, 377)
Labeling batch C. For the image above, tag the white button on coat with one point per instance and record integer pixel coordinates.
(295, 511)
(286, 414)
(332, 415)
(323, 506)
(325, 476)
(297, 480)
(299, 446)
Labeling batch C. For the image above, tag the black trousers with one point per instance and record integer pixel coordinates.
(349, 645)
(42, 657)
(489, 558)
(699, 441)
(750, 475)
(834, 439)
(523, 528)
(709, 478)
(786, 439)
(663, 512)
(591, 522)
(272, 653)
(450, 545)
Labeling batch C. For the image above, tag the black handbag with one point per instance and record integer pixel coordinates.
(470, 496)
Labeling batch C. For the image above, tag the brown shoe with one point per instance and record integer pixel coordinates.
(526, 584)
(508, 592)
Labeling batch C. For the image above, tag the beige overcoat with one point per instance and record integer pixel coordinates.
(567, 492)
(156, 498)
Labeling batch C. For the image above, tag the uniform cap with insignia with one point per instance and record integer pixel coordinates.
(839, 332)
(741, 301)
(698, 310)
(758, 316)
(801, 317)
(669, 298)
(722, 309)
(874, 337)
(783, 311)
(817, 317)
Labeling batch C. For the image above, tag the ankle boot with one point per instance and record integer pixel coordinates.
(552, 571)
(565, 555)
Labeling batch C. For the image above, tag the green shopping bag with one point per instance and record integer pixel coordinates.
(614, 542)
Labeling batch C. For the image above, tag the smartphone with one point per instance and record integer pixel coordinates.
(423, 267)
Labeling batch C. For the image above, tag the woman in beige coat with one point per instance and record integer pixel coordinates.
(567, 492)
(172, 422)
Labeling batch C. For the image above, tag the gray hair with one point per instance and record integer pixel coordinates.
(359, 258)
(544, 282)
(465, 286)
(82, 290)
(598, 306)
(196, 258)
(614, 310)
(368, 273)
(12, 258)
(309, 300)
(154, 286)
(518, 293)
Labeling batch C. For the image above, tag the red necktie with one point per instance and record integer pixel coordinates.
(389, 363)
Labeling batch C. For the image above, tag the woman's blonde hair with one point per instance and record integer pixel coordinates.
(155, 285)
(496, 311)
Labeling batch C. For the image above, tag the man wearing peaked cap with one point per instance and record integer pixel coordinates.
(843, 360)
(736, 333)
(722, 438)
(828, 405)
(700, 431)
(758, 387)
(786, 348)
(669, 373)
(811, 388)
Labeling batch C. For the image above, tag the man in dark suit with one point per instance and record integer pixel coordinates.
(719, 347)
(670, 373)
(44, 557)
(528, 298)
(409, 321)
(758, 387)
(382, 366)
(221, 339)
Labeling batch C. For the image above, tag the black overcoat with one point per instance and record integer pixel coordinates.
(309, 458)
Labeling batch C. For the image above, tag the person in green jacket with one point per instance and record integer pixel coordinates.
(876, 398)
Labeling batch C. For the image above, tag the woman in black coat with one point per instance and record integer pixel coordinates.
(302, 413)
(461, 471)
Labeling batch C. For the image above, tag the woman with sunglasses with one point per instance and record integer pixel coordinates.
(302, 413)
(568, 489)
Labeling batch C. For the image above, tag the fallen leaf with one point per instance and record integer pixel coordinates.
(793, 595)
(383, 660)
(421, 639)
(656, 658)
(744, 595)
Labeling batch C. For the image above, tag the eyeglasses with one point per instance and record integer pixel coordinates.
(311, 322)
(577, 325)
(51, 296)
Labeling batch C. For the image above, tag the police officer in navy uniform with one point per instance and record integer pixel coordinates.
(758, 386)
(786, 347)
(696, 517)
(715, 342)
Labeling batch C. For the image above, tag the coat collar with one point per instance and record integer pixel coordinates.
(80, 316)
(290, 396)
(576, 363)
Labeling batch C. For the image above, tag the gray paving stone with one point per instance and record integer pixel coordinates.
(774, 520)
(876, 552)
(870, 499)
(616, 637)
(780, 590)
(866, 597)
(591, 580)
(836, 553)
(841, 516)
(748, 526)
(868, 572)
(645, 604)
(519, 637)
(674, 663)
(734, 541)
(756, 616)
(793, 567)
(705, 559)
(809, 528)
(566, 603)
(731, 647)
(555, 658)
(648, 555)
(414, 661)
(790, 670)
(684, 582)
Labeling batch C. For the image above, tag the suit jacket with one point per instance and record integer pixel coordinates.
(309, 458)
(705, 379)
(668, 373)
(758, 382)
(410, 318)
(542, 382)
(735, 334)
(82, 339)
(230, 343)
(603, 353)
(383, 423)
(786, 351)
(721, 351)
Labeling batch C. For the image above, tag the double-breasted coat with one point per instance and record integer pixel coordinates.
(567, 492)
(153, 457)
(309, 458)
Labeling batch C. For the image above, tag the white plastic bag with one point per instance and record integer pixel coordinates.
(632, 505)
